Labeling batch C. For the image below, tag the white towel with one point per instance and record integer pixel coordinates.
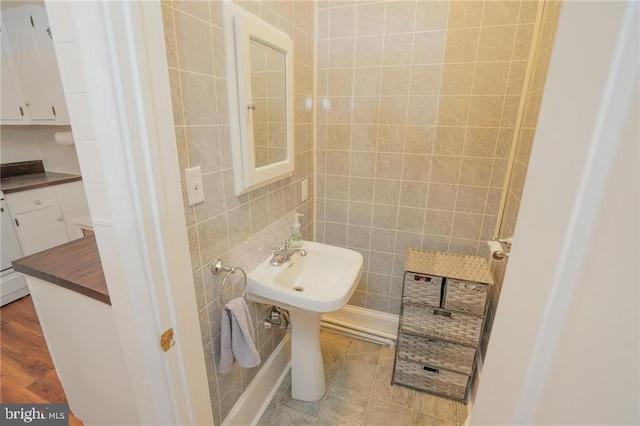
(237, 337)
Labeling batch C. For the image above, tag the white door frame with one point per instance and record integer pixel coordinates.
(587, 98)
(114, 69)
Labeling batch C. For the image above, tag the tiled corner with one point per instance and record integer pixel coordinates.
(531, 106)
(417, 103)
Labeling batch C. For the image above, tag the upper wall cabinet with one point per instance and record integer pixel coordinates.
(31, 87)
(260, 90)
(12, 99)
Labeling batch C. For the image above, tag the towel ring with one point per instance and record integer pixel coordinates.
(217, 267)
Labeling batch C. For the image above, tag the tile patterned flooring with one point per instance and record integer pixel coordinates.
(358, 378)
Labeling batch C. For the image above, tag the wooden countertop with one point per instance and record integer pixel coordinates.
(25, 182)
(75, 265)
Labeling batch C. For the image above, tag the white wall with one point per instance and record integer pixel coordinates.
(593, 377)
(23, 143)
(564, 347)
(14, 151)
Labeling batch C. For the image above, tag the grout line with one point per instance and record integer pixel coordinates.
(442, 62)
(465, 136)
(366, 410)
(353, 90)
(399, 153)
(375, 166)
(184, 137)
(493, 162)
(435, 131)
(409, 125)
(404, 142)
(519, 118)
(473, 27)
(413, 181)
(314, 126)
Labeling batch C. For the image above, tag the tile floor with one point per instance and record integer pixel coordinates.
(358, 377)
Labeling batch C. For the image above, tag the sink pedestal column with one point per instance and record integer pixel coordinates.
(307, 368)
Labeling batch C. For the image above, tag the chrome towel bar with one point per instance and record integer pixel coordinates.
(217, 267)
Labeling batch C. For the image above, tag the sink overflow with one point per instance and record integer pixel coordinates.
(298, 288)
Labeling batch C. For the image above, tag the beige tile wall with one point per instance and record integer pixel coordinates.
(238, 229)
(417, 102)
(531, 109)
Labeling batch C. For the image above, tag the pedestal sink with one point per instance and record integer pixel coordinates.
(321, 282)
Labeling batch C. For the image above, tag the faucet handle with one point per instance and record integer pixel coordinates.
(284, 246)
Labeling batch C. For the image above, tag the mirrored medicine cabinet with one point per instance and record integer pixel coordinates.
(260, 90)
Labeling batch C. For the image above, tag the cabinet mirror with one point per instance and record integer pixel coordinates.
(260, 90)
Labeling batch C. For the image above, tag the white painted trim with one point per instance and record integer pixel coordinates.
(126, 113)
(256, 398)
(152, 172)
(232, 94)
(168, 244)
(362, 333)
(365, 320)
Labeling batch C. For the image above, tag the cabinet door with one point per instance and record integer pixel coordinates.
(12, 111)
(18, 24)
(44, 40)
(73, 202)
(41, 229)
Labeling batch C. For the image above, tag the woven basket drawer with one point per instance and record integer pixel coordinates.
(434, 352)
(431, 379)
(421, 288)
(465, 296)
(437, 323)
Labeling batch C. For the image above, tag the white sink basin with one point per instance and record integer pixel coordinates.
(322, 281)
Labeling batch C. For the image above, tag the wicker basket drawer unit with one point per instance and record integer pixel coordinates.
(444, 301)
(441, 324)
(427, 351)
(421, 288)
(431, 379)
(466, 296)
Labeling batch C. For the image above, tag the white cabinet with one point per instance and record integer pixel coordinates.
(73, 202)
(42, 217)
(12, 100)
(34, 199)
(41, 229)
(36, 80)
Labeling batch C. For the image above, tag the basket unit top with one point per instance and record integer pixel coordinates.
(456, 266)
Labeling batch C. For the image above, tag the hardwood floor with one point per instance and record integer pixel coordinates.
(28, 375)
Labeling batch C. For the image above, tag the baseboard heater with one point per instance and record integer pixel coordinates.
(357, 331)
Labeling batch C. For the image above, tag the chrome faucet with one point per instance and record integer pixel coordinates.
(284, 253)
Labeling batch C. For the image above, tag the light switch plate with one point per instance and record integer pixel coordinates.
(195, 191)
(305, 190)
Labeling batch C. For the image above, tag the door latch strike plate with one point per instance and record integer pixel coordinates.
(166, 340)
